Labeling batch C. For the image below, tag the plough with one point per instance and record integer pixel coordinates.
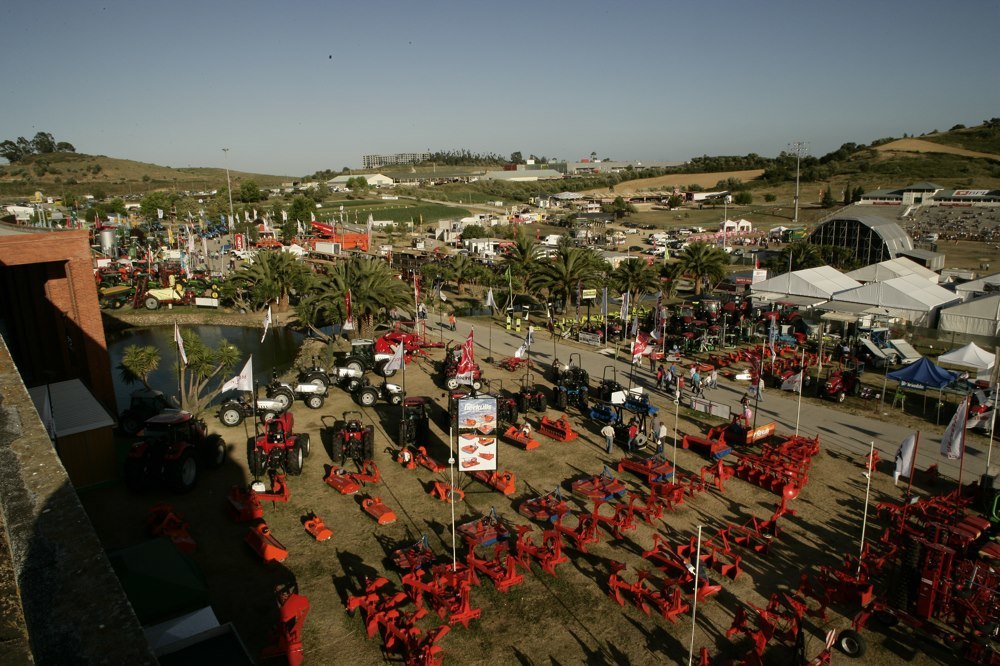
(375, 508)
(558, 429)
(447, 591)
(502, 569)
(292, 611)
(502, 482)
(667, 559)
(602, 486)
(548, 553)
(415, 556)
(585, 531)
(546, 508)
(516, 436)
(485, 531)
(780, 620)
(782, 468)
(648, 507)
(720, 472)
(655, 469)
(667, 600)
(622, 520)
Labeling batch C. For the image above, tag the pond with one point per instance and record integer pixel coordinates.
(276, 353)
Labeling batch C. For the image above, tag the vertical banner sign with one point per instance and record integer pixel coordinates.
(477, 434)
(238, 242)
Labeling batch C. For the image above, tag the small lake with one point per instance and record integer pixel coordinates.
(276, 353)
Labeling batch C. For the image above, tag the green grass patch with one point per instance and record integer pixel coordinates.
(981, 139)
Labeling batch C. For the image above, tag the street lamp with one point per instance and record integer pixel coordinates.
(798, 147)
(229, 189)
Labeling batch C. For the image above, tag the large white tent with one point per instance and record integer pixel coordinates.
(974, 288)
(970, 358)
(736, 226)
(909, 297)
(820, 282)
(980, 316)
(893, 268)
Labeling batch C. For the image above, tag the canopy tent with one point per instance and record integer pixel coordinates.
(980, 316)
(909, 297)
(738, 226)
(970, 358)
(893, 268)
(923, 374)
(820, 282)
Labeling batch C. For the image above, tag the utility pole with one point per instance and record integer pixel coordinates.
(798, 147)
(229, 189)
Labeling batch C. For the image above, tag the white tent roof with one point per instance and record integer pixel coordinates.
(987, 283)
(980, 316)
(908, 292)
(739, 225)
(969, 356)
(893, 268)
(74, 407)
(820, 282)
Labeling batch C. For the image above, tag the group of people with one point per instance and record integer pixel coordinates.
(671, 379)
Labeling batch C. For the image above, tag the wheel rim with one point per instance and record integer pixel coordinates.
(189, 472)
(849, 645)
(367, 399)
(230, 417)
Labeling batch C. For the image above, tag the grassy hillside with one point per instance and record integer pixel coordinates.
(984, 138)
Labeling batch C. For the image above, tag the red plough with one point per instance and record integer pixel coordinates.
(502, 569)
(548, 553)
(667, 600)
(446, 590)
(485, 531)
(603, 486)
(514, 435)
(163, 521)
(410, 558)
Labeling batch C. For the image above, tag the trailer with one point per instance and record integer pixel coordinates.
(905, 351)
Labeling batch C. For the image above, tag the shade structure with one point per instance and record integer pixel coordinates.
(924, 374)
(970, 358)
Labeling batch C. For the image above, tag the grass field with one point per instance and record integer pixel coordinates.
(402, 210)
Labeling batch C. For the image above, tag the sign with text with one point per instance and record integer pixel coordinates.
(588, 294)
(590, 339)
(477, 434)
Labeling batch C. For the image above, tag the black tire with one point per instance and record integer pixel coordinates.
(281, 395)
(181, 474)
(135, 474)
(541, 402)
(560, 399)
(381, 371)
(294, 459)
(366, 397)
(352, 385)
(314, 401)
(255, 458)
(852, 643)
(368, 445)
(303, 441)
(407, 433)
(317, 378)
(131, 425)
(231, 415)
(396, 399)
(523, 403)
(213, 452)
(151, 302)
(337, 448)
(354, 364)
(477, 384)
(451, 383)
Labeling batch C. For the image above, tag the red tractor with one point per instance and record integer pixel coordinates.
(352, 439)
(174, 445)
(840, 383)
(278, 447)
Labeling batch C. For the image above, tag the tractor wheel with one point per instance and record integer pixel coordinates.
(231, 416)
(407, 433)
(477, 384)
(213, 452)
(582, 403)
(314, 401)
(355, 364)
(368, 445)
(337, 448)
(560, 400)
(255, 458)
(366, 397)
(131, 425)
(640, 440)
(840, 396)
(283, 396)
(451, 383)
(152, 303)
(523, 403)
(267, 416)
(541, 402)
(381, 371)
(353, 384)
(303, 441)
(852, 643)
(135, 474)
(117, 304)
(317, 378)
(181, 474)
(396, 399)
(293, 459)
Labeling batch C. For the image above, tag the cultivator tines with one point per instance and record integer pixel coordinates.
(622, 520)
(720, 472)
(410, 558)
(502, 482)
(558, 429)
(485, 531)
(548, 553)
(502, 569)
(603, 486)
(655, 469)
(648, 507)
(781, 468)
(545, 508)
(680, 568)
(447, 589)
(667, 600)
(585, 531)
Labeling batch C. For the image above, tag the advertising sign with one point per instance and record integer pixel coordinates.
(588, 294)
(238, 243)
(477, 434)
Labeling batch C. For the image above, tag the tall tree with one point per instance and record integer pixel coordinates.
(802, 254)
(273, 276)
(522, 256)
(637, 278)
(703, 263)
(561, 275)
(43, 143)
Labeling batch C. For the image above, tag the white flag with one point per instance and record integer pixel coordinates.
(180, 344)
(792, 383)
(396, 362)
(242, 381)
(267, 323)
(953, 439)
(159, 213)
(490, 303)
(904, 457)
(441, 294)
(521, 350)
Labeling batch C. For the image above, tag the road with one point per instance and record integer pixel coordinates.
(838, 430)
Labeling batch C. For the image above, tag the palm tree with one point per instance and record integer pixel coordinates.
(802, 254)
(635, 277)
(671, 273)
(522, 255)
(138, 363)
(462, 269)
(273, 276)
(560, 276)
(704, 262)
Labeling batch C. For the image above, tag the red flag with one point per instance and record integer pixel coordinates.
(468, 361)
(348, 322)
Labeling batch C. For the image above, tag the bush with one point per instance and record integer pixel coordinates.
(743, 198)
(770, 198)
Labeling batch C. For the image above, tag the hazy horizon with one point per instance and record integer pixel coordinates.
(293, 89)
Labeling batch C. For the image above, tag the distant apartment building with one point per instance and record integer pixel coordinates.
(379, 161)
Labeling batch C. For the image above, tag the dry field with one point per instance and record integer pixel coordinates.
(921, 146)
(680, 180)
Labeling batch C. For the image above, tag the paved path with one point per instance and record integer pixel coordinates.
(837, 429)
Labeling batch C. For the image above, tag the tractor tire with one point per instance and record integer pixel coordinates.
(368, 445)
(255, 458)
(182, 474)
(451, 383)
(353, 384)
(396, 399)
(337, 448)
(541, 402)
(560, 399)
(407, 433)
(303, 441)
(152, 303)
(267, 416)
(840, 396)
(135, 474)
(381, 371)
(852, 643)
(314, 401)
(640, 440)
(294, 459)
(317, 378)
(231, 416)
(283, 396)
(213, 452)
(582, 404)
(354, 364)
(477, 384)
(366, 397)
(131, 425)
(523, 403)
(856, 389)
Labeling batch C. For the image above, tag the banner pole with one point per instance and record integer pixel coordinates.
(451, 463)
(802, 380)
(694, 607)
(864, 522)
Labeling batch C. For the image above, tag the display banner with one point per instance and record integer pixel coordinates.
(477, 434)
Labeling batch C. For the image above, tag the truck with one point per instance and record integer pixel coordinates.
(327, 247)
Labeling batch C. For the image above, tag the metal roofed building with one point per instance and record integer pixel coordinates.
(892, 268)
(917, 193)
(821, 282)
(523, 175)
(868, 232)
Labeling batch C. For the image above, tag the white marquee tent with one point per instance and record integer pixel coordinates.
(980, 316)
(736, 226)
(909, 297)
(893, 268)
(820, 282)
(972, 359)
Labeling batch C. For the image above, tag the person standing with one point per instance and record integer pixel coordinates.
(655, 427)
(659, 376)
(451, 321)
(713, 379)
(609, 437)
(661, 437)
(695, 382)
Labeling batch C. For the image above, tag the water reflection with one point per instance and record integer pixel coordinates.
(276, 353)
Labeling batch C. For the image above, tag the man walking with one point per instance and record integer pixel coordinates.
(659, 377)
(661, 437)
(609, 437)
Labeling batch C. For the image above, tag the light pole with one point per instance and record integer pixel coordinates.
(798, 147)
(229, 189)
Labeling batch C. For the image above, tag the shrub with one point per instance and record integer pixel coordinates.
(770, 198)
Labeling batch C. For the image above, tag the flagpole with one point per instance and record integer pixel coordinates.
(993, 424)
(909, 481)
(694, 608)
(802, 380)
(864, 522)
(451, 463)
(964, 406)
(180, 381)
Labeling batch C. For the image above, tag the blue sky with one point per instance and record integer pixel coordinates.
(291, 88)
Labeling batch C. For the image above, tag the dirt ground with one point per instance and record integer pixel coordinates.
(546, 620)
(921, 146)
